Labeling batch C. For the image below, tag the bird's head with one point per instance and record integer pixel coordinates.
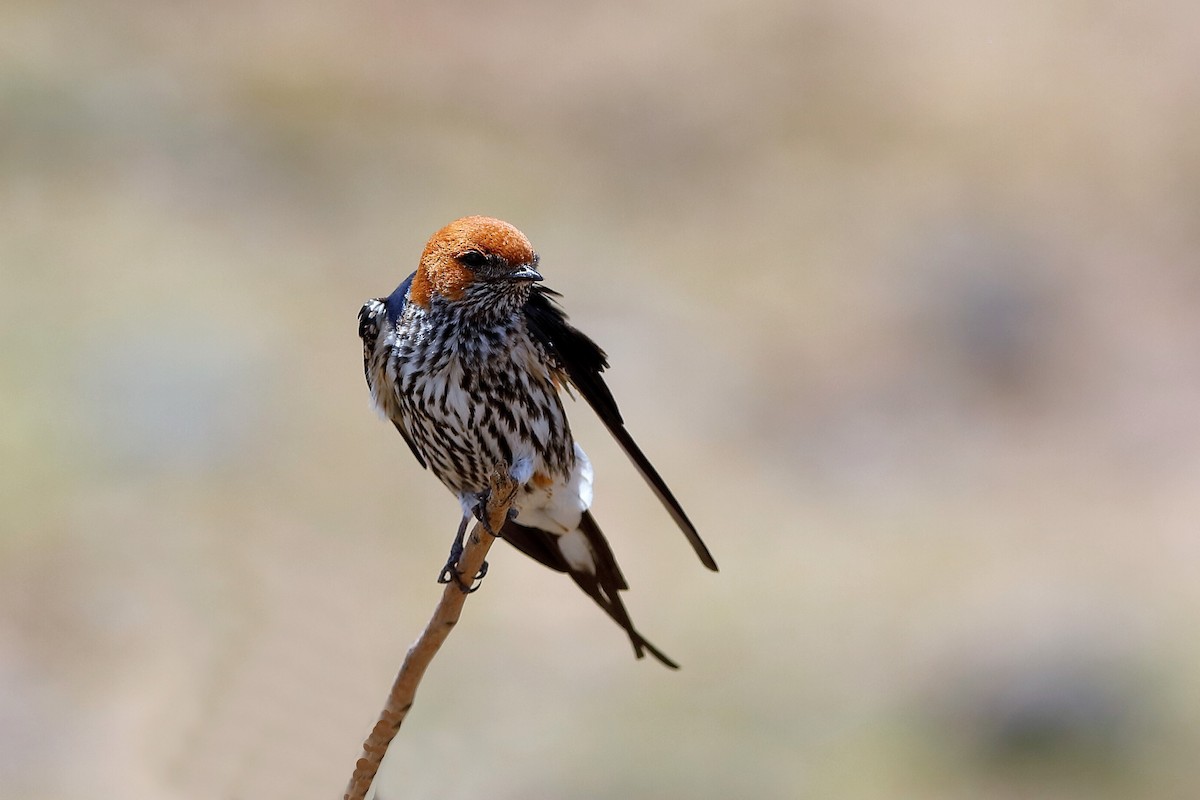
(476, 262)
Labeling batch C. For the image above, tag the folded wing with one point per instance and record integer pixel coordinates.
(374, 316)
(582, 361)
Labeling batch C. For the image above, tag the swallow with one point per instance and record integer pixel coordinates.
(468, 359)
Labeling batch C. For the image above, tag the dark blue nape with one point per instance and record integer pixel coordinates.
(397, 299)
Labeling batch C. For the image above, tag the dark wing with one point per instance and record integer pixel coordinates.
(371, 318)
(583, 362)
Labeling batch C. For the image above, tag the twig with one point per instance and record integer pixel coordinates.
(445, 617)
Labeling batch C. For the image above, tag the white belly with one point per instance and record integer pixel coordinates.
(558, 507)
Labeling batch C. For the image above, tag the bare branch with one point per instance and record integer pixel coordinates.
(445, 617)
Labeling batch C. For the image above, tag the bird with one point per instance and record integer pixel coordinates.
(468, 358)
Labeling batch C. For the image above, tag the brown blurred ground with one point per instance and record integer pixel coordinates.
(902, 298)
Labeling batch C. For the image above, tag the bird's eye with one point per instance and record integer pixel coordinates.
(473, 259)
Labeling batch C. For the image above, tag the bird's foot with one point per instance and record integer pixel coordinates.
(450, 570)
(450, 573)
(480, 511)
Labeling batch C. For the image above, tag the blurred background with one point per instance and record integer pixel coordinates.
(903, 299)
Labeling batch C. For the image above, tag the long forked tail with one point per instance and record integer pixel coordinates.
(603, 584)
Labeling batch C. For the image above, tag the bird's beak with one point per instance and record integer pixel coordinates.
(525, 272)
